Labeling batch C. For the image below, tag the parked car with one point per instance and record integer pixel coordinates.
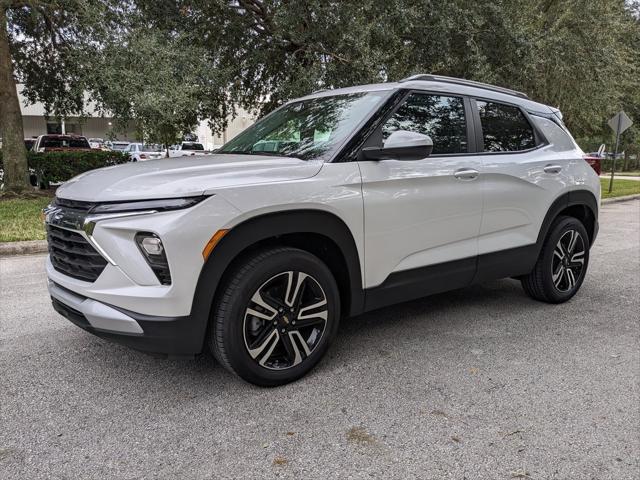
(187, 149)
(60, 143)
(28, 143)
(141, 152)
(369, 196)
(97, 143)
(116, 145)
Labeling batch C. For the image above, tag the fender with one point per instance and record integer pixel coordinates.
(268, 226)
(569, 199)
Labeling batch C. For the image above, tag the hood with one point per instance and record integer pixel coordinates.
(183, 176)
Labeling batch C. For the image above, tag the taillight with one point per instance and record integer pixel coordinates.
(143, 156)
(595, 163)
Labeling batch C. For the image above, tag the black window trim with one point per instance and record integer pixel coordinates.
(472, 148)
(352, 147)
(538, 136)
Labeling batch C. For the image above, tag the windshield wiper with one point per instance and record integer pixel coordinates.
(264, 154)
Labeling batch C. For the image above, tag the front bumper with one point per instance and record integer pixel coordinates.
(172, 321)
(170, 336)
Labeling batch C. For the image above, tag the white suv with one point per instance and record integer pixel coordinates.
(335, 204)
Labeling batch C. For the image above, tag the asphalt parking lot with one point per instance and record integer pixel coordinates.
(481, 383)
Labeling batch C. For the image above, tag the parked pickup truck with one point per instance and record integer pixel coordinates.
(187, 149)
(61, 143)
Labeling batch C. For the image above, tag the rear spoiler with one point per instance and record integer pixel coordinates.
(554, 114)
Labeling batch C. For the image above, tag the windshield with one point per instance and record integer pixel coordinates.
(192, 146)
(119, 146)
(308, 129)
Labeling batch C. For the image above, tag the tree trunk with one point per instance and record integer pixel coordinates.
(14, 155)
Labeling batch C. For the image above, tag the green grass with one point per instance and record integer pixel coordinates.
(20, 219)
(621, 187)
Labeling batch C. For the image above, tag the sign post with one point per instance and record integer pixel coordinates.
(618, 123)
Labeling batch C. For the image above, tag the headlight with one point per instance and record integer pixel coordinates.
(159, 205)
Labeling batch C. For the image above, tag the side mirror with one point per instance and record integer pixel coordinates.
(401, 145)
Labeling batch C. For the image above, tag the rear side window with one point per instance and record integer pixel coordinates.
(504, 128)
(440, 117)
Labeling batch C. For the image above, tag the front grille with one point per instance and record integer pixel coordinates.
(72, 255)
(74, 204)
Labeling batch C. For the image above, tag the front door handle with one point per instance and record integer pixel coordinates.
(552, 169)
(466, 174)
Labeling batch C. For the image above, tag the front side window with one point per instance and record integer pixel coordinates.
(309, 129)
(440, 117)
(504, 128)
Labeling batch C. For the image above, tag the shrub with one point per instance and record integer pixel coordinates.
(62, 166)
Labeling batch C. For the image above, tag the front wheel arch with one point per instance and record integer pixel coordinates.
(274, 228)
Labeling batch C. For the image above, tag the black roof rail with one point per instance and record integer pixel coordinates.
(461, 81)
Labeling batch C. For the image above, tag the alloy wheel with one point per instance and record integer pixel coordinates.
(285, 320)
(568, 261)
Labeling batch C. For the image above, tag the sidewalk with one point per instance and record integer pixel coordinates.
(619, 177)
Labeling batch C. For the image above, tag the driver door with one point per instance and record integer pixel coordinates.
(422, 217)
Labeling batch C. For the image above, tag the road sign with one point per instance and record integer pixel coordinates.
(620, 122)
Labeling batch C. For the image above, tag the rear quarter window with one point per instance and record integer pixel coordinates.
(504, 128)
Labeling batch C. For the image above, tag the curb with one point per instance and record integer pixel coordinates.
(29, 247)
(605, 201)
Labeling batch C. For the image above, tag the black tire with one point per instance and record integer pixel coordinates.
(233, 326)
(556, 279)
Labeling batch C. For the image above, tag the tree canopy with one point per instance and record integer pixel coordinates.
(166, 65)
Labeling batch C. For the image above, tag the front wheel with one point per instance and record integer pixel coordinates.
(562, 264)
(275, 317)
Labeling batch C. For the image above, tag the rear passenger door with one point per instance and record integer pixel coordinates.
(522, 177)
(423, 213)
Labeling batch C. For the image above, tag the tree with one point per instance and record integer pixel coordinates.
(167, 65)
(14, 155)
(574, 54)
(161, 84)
(46, 45)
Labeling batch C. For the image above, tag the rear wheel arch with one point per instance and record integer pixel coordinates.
(318, 232)
(580, 204)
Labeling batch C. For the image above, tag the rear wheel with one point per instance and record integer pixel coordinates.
(276, 316)
(562, 264)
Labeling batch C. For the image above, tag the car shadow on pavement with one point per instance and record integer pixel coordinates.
(380, 332)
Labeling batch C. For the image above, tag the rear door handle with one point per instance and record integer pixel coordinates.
(552, 169)
(466, 174)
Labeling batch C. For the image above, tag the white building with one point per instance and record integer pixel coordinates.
(235, 126)
(95, 125)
